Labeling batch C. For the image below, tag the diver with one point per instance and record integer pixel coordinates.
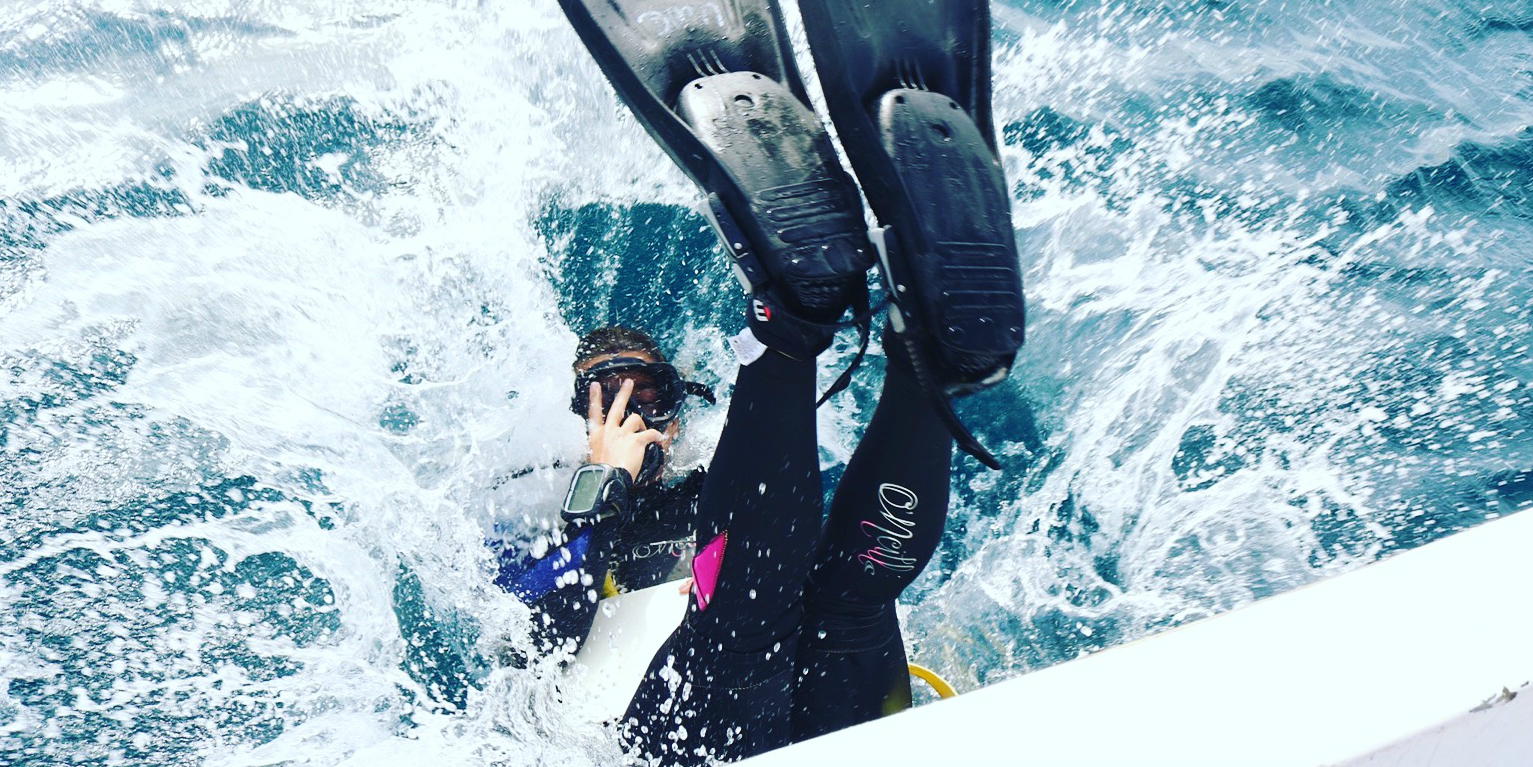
(791, 628)
(640, 540)
(816, 629)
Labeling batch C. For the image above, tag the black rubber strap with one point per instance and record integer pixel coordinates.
(864, 323)
(939, 400)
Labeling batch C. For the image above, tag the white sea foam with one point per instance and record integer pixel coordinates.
(1216, 392)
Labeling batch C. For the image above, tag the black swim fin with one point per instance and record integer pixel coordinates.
(713, 81)
(907, 83)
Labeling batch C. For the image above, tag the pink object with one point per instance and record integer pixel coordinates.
(705, 569)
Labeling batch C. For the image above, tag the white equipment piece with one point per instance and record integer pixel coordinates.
(1423, 659)
(629, 628)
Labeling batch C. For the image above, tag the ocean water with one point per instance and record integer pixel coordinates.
(288, 290)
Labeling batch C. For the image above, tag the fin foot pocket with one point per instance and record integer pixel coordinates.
(714, 83)
(956, 257)
(803, 215)
(907, 84)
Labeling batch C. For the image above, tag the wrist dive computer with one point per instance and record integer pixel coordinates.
(597, 492)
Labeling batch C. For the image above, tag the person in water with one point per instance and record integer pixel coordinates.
(790, 630)
(798, 605)
(648, 538)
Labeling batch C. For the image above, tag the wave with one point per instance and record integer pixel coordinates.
(1493, 180)
(285, 332)
(78, 39)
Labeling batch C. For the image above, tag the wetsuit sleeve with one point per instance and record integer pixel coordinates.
(564, 584)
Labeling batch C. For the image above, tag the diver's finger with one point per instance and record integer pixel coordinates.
(620, 404)
(593, 409)
(652, 435)
(634, 423)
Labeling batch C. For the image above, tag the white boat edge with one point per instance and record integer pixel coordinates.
(1424, 658)
(627, 632)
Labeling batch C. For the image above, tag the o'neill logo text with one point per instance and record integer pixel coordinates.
(683, 16)
(890, 531)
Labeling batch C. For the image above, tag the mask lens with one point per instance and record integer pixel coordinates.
(646, 397)
(657, 392)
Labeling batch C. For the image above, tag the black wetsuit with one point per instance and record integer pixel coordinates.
(799, 635)
(564, 581)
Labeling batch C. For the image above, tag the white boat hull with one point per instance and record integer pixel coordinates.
(1421, 659)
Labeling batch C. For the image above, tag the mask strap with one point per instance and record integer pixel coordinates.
(699, 390)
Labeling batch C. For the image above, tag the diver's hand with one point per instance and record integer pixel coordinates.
(614, 441)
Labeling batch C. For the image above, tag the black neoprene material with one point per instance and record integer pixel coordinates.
(562, 617)
(885, 522)
(764, 664)
(643, 549)
(721, 685)
(764, 490)
(888, 512)
(850, 668)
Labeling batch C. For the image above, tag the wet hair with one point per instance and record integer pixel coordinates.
(615, 339)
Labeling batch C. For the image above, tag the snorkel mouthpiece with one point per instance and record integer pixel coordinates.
(654, 461)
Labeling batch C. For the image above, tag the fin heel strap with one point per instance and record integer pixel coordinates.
(964, 438)
(863, 321)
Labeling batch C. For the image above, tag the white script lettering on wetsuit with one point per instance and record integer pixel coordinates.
(683, 16)
(674, 548)
(890, 532)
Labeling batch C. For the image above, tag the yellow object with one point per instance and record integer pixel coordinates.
(609, 586)
(930, 677)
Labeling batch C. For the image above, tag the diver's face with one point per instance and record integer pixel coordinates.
(673, 429)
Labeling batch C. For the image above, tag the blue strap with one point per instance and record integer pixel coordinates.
(529, 578)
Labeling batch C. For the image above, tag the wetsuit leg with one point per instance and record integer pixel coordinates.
(885, 523)
(720, 687)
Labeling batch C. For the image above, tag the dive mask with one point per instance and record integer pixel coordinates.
(658, 390)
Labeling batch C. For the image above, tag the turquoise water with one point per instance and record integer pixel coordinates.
(287, 293)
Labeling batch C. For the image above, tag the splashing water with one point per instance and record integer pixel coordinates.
(287, 291)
